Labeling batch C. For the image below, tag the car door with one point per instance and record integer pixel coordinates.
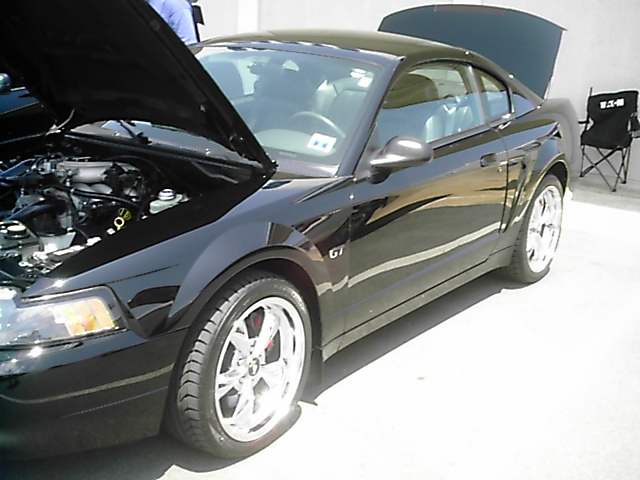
(424, 225)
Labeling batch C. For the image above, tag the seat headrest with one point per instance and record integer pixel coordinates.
(411, 89)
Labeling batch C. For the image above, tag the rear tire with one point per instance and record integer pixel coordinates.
(539, 234)
(243, 368)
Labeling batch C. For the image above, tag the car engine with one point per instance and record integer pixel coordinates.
(54, 205)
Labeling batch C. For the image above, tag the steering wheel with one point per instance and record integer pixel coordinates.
(308, 115)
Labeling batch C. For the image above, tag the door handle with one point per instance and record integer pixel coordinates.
(488, 160)
(531, 146)
(494, 160)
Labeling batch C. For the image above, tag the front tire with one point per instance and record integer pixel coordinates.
(539, 234)
(244, 368)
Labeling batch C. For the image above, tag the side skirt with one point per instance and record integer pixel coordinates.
(497, 260)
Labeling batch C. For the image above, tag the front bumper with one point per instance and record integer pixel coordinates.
(83, 395)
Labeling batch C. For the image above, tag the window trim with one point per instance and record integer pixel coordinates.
(504, 118)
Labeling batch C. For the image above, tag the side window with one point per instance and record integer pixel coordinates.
(521, 104)
(429, 102)
(494, 95)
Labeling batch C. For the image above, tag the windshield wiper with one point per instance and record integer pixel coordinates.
(137, 136)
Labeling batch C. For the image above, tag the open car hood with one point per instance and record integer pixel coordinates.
(523, 44)
(92, 60)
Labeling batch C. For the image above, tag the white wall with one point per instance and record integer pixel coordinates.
(600, 48)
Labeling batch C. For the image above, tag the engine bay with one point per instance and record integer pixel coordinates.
(55, 204)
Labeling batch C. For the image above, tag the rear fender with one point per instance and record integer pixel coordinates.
(549, 159)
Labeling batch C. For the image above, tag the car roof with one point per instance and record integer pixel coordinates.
(383, 45)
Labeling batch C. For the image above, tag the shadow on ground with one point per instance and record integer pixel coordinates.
(151, 458)
(387, 339)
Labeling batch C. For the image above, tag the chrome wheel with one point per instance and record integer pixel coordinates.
(243, 367)
(538, 236)
(259, 369)
(543, 230)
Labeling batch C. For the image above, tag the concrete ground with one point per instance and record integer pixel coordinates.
(493, 381)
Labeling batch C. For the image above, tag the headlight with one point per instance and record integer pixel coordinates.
(56, 317)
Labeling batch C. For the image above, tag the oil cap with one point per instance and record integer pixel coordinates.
(16, 231)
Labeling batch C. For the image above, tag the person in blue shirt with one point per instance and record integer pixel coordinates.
(178, 14)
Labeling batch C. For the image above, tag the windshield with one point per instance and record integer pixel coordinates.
(299, 106)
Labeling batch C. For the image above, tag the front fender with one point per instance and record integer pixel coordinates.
(236, 250)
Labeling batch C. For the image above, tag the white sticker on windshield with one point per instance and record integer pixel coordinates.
(321, 142)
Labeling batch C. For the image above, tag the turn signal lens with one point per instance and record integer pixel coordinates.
(83, 316)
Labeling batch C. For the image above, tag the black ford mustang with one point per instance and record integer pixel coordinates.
(200, 229)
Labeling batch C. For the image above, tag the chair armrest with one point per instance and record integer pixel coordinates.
(586, 124)
(634, 125)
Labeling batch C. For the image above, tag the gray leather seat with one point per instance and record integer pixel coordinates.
(340, 101)
(279, 93)
(411, 109)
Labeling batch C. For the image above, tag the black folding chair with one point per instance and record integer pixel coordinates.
(611, 125)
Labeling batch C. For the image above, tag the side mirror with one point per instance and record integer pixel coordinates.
(5, 83)
(400, 153)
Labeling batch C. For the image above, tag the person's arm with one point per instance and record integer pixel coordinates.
(183, 24)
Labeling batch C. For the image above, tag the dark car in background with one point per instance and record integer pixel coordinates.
(203, 228)
(20, 112)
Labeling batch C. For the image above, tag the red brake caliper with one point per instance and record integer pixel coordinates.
(258, 319)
